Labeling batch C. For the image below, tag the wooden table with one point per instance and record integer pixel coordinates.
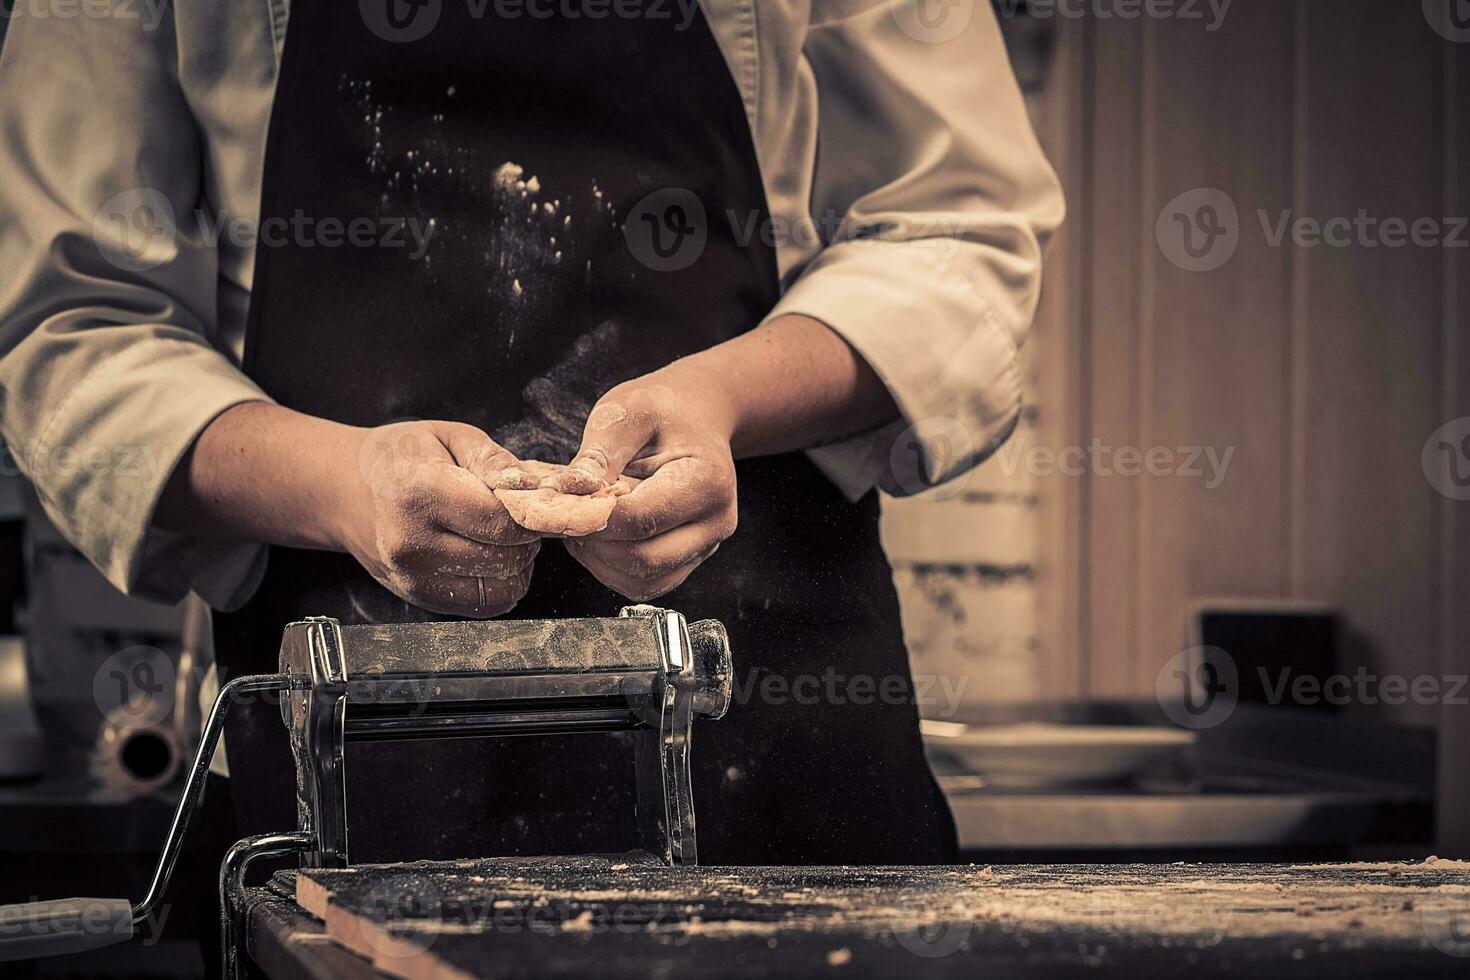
(617, 917)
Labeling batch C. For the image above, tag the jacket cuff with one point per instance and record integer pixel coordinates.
(99, 470)
(935, 342)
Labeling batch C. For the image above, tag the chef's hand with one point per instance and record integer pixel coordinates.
(789, 384)
(408, 501)
(424, 523)
(426, 526)
(672, 430)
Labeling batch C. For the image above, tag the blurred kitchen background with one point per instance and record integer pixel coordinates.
(1068, 611)
(1324, 369)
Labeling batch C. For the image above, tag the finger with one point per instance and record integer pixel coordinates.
(393, 457)
(642, 467)
(576, 480)
(679, 492)
(470, 596)
(617, 429)
(415, 556)
(637, 590)
(450, 554)
(473, 449)
(655, 557)
(460, 502)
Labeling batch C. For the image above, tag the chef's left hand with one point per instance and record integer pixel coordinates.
(671, 429)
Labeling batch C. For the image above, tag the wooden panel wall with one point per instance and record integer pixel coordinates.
(1059, 354)
(1368, 336)
(1324, 369)
(1453, 525)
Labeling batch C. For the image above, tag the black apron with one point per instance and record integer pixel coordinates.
(522, 148)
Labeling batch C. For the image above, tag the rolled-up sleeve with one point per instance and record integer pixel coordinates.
(935, 202)
(108, 297)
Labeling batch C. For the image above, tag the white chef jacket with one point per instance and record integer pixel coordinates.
(107, 374)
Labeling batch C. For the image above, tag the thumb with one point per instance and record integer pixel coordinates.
(473, 449)
(616, 432)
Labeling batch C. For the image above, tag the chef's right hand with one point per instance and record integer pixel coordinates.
(409, 501)
(424, 523)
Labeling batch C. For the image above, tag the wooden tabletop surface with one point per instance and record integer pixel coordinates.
(612, 916)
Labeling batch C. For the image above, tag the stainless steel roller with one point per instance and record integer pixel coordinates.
(645, 670)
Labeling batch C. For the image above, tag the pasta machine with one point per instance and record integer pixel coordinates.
(645, 670)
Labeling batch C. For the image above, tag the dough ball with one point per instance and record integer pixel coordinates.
(548, 511)
(552, 499)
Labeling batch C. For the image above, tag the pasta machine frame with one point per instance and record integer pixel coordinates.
(645, 670)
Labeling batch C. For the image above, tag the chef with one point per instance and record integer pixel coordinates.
(320, 273)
